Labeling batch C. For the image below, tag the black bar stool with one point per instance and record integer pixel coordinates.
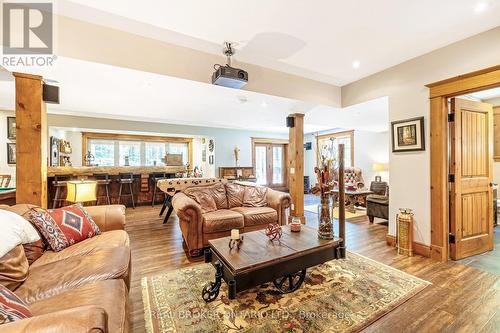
(155, 177)
(103, 180)
(59, 183)
(126, 178)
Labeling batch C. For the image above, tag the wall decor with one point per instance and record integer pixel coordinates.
(211, 159)
(211, 145)
(11, 128)
(408, 135)
(11, 153)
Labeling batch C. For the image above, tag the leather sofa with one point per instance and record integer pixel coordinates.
(377, 204)
(238, 205)
(83, 288)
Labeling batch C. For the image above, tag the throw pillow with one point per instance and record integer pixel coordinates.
(14, 230)
(11, 307)
(235, 194)
(65, 226)
(255, 196)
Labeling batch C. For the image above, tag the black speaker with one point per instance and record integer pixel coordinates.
(308, 145)
(290, 121)
(50, 94)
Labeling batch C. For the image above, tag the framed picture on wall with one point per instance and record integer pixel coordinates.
(11, 128)
(408, 135)
(11, 153)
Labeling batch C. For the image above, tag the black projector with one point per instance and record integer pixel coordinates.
(230, 77)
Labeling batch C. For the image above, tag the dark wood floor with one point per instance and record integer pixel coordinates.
(461, 298)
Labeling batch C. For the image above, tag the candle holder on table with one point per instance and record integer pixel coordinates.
(236, 240)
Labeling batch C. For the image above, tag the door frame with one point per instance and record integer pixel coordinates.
(265, 141)
(439, 92)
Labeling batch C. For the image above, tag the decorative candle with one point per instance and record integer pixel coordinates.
(235, 234)
(295, 225)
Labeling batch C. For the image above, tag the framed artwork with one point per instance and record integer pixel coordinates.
(11, 153)
(408, 135)
(11, 128)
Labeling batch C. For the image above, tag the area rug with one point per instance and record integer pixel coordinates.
(348, 215)
(338, 296)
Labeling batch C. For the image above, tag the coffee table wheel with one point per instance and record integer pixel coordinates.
(210, 291)
(290, 283)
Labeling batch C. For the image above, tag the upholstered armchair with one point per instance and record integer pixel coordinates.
(352, 176)
(377, 204)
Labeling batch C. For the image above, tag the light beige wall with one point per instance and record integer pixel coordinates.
(90, 42)
(404, 84)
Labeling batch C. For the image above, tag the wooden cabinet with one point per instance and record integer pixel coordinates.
(496, 133)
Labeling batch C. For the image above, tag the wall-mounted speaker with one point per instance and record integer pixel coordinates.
(50, 94)
(290, 121)
(308, 145)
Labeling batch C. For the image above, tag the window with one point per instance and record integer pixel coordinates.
(269, 159)
(134, 150)
(328, 145)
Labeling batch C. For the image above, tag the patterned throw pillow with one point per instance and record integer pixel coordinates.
(65, 226)
(11, 307)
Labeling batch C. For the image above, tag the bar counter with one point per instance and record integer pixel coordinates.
(143, 186)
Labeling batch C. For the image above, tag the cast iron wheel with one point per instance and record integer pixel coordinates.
(210, 291)
(290, 283)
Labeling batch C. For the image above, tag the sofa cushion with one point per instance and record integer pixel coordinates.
(255, 196)
(203, 196)
(235, 193)
(111, 295)
(59, 276)
(11, 307)
(257, 215)
(65, 226)
(222, 220)
(109, 239)
(13, 268)
(379, 199)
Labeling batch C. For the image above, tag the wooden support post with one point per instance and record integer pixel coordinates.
(341, 201)
(31, 141)
(296, 166)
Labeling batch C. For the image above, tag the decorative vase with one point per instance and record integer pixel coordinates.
(325, 228)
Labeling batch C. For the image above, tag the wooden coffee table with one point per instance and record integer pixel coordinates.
(260, 260)
(352, 198)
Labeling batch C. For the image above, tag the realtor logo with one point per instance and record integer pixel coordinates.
(27, 28)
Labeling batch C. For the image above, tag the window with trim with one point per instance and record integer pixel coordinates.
(124, 150)
(328, 147)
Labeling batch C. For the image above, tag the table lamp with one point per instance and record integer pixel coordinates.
(378, 167)
(81, 191)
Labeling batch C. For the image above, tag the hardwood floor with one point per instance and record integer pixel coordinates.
(461, 298)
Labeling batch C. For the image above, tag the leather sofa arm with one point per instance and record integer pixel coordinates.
(108, 217)
(186, 208)
(84, 319)
(279, 201)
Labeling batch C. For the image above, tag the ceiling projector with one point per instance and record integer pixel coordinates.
(228, 76)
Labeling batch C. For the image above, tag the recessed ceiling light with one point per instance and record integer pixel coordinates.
(481, 7)
(356, 64)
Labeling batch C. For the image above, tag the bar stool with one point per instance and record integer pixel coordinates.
(155, 177)
(59, 183)
(103, 180)
(126, 178)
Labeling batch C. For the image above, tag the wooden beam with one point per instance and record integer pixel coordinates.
(296, 166)
(31, 141)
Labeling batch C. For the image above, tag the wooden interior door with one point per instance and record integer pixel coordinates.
(471, 211)
(270, 164)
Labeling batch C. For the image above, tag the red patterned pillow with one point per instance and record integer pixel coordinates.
(65, 226)
(11, 307)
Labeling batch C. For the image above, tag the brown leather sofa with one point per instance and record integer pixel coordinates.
(83, 288)
(200, 221)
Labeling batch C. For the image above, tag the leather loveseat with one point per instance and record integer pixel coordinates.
(83, 288)
(209, 212)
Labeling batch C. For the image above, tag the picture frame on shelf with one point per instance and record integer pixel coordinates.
(11, 153)
(11, 128)
(408, 135)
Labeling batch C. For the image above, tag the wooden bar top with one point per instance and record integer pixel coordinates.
(112, 170)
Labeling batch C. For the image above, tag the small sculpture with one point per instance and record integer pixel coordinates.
(273, 231)
(236, 152)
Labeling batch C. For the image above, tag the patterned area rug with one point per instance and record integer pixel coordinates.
(338, 296)
(348, 215)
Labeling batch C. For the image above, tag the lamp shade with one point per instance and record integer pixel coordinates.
(378, 166)
(81, 191)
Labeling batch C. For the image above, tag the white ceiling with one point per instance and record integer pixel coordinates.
(97, 90)
(319, 39)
